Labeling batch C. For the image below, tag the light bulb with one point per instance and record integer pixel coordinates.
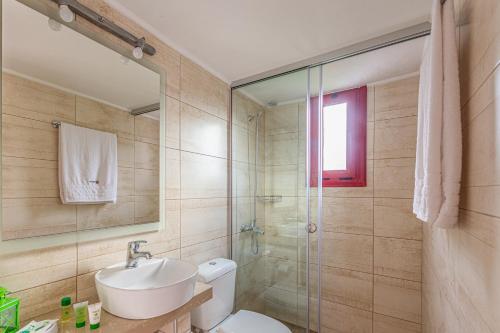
(66, 13)
(54, 25)
(137, 52)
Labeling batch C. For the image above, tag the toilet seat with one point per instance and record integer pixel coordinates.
(250, 322)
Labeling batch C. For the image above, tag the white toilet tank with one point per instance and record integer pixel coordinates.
(220, 273)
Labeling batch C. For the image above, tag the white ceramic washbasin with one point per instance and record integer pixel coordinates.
(153, 288)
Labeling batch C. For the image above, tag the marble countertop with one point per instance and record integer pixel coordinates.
(113, 324)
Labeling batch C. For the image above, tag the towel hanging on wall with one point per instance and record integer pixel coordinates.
(439, 135)
(87, 165)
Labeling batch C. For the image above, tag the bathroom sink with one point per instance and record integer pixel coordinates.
(153, 288)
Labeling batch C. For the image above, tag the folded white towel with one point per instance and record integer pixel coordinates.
(439, 135)
(87, 165)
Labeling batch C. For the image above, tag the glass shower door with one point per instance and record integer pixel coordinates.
(272, 200)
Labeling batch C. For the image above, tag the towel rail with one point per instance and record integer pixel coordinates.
(56, 123)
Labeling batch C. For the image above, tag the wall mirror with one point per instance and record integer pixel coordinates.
(52, 73)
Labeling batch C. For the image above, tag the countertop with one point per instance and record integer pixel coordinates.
(113, 324)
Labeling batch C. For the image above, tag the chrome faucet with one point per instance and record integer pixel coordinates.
(133, 253)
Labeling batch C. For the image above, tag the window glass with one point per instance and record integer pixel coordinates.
(335, 137)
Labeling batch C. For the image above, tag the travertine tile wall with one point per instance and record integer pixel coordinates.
(461, 266)
(30, 191)
(371, 259)
(251, 267)
(196, 187)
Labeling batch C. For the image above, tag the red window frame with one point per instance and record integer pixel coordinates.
(355, 173)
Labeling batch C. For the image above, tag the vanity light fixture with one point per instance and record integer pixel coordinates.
(66, 13)
(137, 51)
(68, 9)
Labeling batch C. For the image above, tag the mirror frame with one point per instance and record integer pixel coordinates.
(81, 26)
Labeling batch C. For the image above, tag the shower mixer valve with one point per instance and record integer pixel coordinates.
(251, 227)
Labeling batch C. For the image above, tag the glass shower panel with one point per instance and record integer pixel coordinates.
(269, 201)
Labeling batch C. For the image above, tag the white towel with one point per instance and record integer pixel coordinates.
(439, 135)
(87, 165)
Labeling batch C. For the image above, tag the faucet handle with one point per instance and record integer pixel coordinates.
(134, 245)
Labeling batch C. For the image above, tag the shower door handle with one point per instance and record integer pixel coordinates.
(311, 228)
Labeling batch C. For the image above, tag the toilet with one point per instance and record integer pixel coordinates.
(215, 315)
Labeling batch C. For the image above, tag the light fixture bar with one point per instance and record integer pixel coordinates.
(145, 109)
(105, 24)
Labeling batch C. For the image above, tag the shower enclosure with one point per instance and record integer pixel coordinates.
(272, 241)
(310, 261)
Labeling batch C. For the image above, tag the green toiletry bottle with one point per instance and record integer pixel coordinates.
(9, 312)
(66, 310)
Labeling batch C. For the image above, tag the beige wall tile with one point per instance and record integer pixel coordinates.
(401, 258)
(28, 178)
(483, 227)
(147, 130)
(396, 95)
(201, 252)
(281, 273)
(147, 156)
(147, 182)
(394, 178)
(282, 149)
(125, 153)
(35, 217)
(347, 287)
(102, 117)
(281, 180)
(85, 288)
(203, 220)
(35, 301)
(202, 132)
(385, 324)
(35, 268)
(479, 145)
(394, 218)
(395, 138)
(28, 138)
(172, 123)
(282, 119)
(202, 90)
(203, 176)
(397, 298)
(348, 215)
(241, 172)
(147, 209)
(353, 252)
(281, 304)
(239, 144)
(28, 99)
(338, 318)
(173, 219)
(481, 199)
(126, 181)
(172, 173)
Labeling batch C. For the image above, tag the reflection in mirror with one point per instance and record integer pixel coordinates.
(75, 80)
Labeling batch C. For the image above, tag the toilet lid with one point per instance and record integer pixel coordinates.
(250, 322)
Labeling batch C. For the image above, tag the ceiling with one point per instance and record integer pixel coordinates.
(383, 64)
(237, 39)
(70, 61)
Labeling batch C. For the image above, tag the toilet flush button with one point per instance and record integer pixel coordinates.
(212, 263)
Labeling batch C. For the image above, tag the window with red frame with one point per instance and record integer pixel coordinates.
(344, 139)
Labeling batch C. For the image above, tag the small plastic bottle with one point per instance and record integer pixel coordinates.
(66, 309)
